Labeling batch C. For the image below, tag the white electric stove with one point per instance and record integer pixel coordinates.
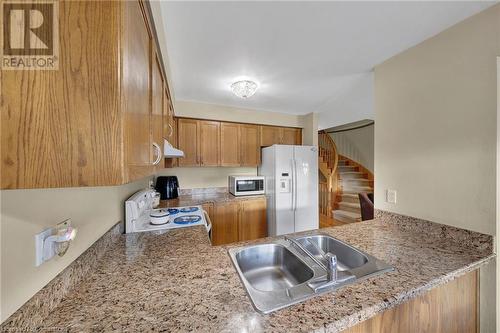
(141, 216)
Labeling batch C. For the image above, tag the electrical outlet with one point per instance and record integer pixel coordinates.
(151, 183)
(40, 238)
(391, 196)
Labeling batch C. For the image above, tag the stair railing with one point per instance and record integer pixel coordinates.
(329, 154)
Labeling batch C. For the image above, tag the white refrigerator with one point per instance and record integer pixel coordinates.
(291, 188)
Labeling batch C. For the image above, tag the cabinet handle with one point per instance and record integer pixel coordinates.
(171, 130)
(158, 153)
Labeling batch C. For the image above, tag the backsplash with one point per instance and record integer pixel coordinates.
(207, 190)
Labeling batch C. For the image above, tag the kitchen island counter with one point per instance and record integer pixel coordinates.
(176, 281)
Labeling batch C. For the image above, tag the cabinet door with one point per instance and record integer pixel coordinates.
(291, 136)
(188, 141)
(168, 131)
(136, 91)
(252, 222)
(209, 142)
(249, 145)
(169, 126)
(225, 223)
(157, 107)
(62, 128)
(229, 144)
(269, 135)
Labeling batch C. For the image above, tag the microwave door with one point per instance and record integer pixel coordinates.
(245, 186)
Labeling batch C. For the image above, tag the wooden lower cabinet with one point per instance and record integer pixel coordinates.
(252, 222)
(225, 223)
(452, 307)
(238, 221)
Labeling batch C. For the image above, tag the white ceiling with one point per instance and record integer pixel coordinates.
(306, 56)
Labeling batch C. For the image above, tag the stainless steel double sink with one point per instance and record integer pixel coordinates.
(291, 270)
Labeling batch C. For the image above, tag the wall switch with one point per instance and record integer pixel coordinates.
(391, 196)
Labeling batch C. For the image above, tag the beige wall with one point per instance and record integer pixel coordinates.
(229, 113)
(357, 144)
(310, 129)
(205, 177)
(435, 139)
(498, 192)
(93, 210)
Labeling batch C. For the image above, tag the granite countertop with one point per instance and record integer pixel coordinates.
(176, 281)
(203, 198)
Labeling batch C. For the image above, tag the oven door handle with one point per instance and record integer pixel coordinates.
(208, 222)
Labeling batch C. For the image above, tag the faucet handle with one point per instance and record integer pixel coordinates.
(331, 266)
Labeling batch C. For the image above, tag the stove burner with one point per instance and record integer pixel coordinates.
(188, 219)
(189, 209)
(173, 211)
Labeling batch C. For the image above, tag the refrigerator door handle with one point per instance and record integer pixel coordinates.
(294, 180)
(293, 185)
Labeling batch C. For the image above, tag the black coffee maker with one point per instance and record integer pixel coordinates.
(168, 187)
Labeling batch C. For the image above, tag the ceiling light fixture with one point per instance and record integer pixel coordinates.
(244, 88)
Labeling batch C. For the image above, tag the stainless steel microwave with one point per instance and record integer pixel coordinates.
(246, 185)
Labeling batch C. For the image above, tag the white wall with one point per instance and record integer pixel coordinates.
(352, 101)
(357, 144)
(93, 211)
(435, 139)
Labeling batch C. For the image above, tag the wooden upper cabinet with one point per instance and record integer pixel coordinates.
(249, 145)
(59, 128)
(188, 141)
(137, 92)
(269, 135)
(209, 142)
(225, 223)
(157, 113)
(252, 221)
(291, 136)
(230, 144)
(91, 122)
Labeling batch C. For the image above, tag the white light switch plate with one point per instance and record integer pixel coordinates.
(391, 196)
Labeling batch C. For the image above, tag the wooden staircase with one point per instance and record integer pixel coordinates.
(327, 164)
(340, 182)
(353, 178)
